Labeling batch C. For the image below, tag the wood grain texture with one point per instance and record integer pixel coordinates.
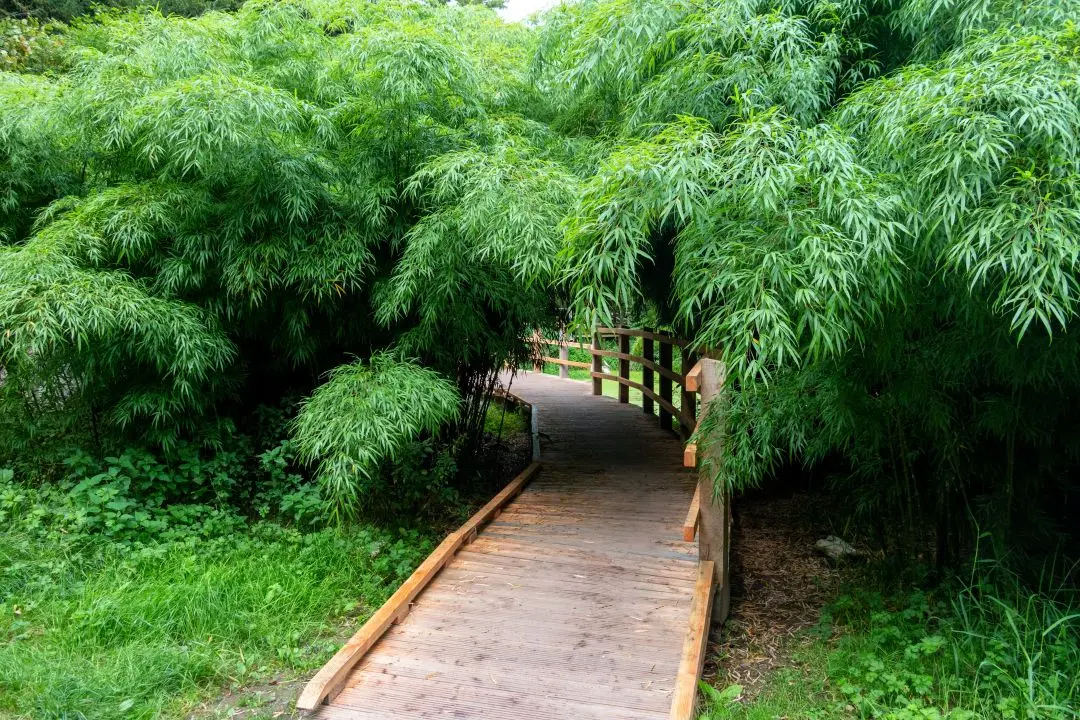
(692, 379)
(689, 528)
(572, 602)
(689, 455)
(565, 362)
(684, 702)
(632, 332)
(331, 678)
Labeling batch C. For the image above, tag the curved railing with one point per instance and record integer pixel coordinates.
(709, 516)
(659, 376)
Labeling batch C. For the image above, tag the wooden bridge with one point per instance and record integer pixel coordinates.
(578, 592)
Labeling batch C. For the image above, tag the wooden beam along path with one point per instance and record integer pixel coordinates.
(574, 594)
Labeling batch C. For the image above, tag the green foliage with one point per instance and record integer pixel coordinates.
(365, 414)
(869, 213)
(985, 649)
(505, 422)
(27, 44)
(68, 10)
(111, 631)
(137, 584)
(202, 215)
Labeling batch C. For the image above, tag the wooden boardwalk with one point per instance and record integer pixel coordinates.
(575, 602)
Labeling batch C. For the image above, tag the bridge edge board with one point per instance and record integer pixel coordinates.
(331, 678)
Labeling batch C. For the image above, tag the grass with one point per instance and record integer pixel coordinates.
(504, 422)
(988, 648)
(107, 631)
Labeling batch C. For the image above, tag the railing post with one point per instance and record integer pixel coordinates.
(714, 520)
(597, 366)
(564, 355)
(624, 368)
(665, 383)
(689, 399)
(647, 373)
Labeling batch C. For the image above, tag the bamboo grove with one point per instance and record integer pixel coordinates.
(869, 209)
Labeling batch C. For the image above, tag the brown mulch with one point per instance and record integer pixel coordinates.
(779, 587)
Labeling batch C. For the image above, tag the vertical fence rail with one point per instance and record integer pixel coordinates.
(665, 384)
(597, 366)
(689, 397)
(647, 380)
(674, 402)
(624, 367)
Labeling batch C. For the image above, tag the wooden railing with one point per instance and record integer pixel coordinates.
(709, 516)
(659, 379)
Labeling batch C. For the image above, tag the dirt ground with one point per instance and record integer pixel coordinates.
(779, 586)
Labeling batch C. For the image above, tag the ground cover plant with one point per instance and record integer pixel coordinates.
(139, 587)
(965, 651)
(108, 610)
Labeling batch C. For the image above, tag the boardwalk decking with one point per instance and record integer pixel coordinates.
(574, 603)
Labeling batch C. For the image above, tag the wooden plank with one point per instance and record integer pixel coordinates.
(563, 343)
(534, 678)
(331, 678)
(645, 565)
(689, 528)
(689, 457)
(659, 369)
(430, 698)
(693, 378)
(659, 337)
(566, 363)
(684, 420)
(448, 626)
(684, 701)
(511, 568)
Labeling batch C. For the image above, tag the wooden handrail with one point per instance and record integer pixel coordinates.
(630, 332)
(659, 369)
(693, 378)
(684, 695)
(686, 384)
(562, 343)
(684, 420)
(567, 363)
(689, 528)
(689, 455)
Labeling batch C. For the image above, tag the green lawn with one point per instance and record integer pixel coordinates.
(108, 631)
